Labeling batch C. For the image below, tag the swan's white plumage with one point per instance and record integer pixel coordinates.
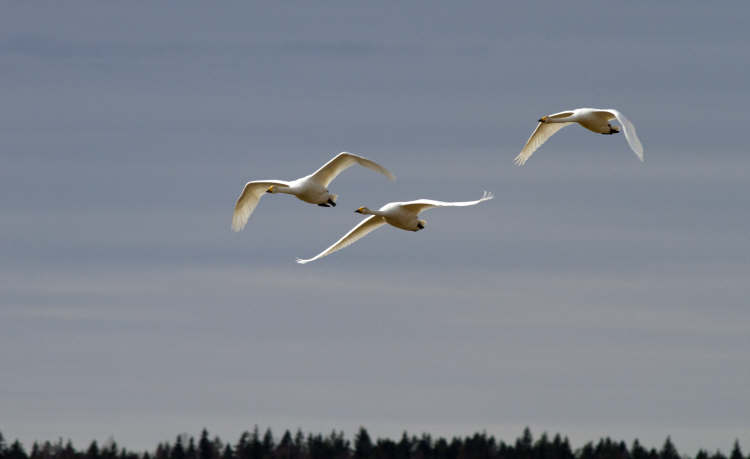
(398, 214)
(593, 119)
(249, 199)
(364, 228)
(312, 188)
(629, 131)
(420, 205)
(540, 135)
(343, 161)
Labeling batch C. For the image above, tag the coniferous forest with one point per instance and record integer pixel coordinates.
(257, 445)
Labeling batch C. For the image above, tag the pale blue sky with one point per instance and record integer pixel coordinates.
(594, 296)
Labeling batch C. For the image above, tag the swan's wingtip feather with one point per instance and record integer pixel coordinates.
(519, 160)
(302, 262)
(237, 226)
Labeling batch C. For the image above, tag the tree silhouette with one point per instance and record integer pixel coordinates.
(267, 446)
(93, 451)
(736, 451)
(362, 444)
(668, 451)
(336, 446)
(16, 451)
(191, 452)
(178, 450)
(206, 448)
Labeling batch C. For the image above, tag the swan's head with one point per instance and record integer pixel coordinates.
(421, 224)
(362, 210)
(543, 119)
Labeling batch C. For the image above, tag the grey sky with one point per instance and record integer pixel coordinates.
(594, 296)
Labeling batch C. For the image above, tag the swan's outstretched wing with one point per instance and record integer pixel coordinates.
(422, 204)
(343, 161)
(629, 130)
(540, 135)
(248, 199)
(364, 228)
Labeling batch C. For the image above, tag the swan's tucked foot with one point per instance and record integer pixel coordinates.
(420, 226)
(330, 201)
(324, 204)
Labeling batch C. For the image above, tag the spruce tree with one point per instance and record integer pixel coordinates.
(242, 450)
(668, 451)
(178, 451)
(206, 447)
(524, 444)
(191, 452)
(256, 447)
(404, 447)
(268, 444)
(362, 444)
(16, 451)
(736, 451)
(93, 451)
(68, 451)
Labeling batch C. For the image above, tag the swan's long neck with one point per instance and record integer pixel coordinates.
(563, 119)
(367, 211)
(284, 189)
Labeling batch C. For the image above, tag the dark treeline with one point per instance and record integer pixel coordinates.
(257, 445)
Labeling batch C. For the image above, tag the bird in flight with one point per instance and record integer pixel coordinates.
(402, 215)
(593, 119)
(311, 188)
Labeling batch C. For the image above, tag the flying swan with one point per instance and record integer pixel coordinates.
(399, 214)
(312, 188)
(593, 119)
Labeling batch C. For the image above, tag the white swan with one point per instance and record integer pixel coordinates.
(311, 188)
(593, 119)
(399, 214)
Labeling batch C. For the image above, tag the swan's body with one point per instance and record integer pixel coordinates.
(311, 188)
(593, 119)
(399, 214)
